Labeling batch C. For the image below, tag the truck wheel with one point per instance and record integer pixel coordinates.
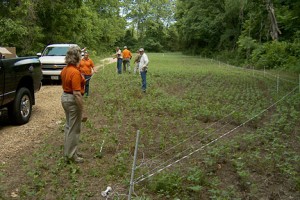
(20, 110)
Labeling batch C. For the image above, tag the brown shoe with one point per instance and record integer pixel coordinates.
(79, 154)
(78, 159)
(74, 159)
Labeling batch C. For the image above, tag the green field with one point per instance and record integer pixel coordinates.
(208, 131)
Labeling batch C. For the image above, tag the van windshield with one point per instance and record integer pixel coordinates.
(55, 51)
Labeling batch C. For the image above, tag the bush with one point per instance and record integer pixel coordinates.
(276, 54)
(153, 46)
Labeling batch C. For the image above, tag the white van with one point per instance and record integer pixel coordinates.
(53, 60)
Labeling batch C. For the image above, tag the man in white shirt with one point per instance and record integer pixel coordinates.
(118, 55)
(143, 67)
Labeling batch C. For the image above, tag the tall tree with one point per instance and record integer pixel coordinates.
(143, 16)
(19, 26)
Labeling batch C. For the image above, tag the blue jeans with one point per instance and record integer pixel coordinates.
(144, 81)
(87, 84)
(119, 65)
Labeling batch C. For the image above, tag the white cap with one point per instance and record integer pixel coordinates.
(141, 49)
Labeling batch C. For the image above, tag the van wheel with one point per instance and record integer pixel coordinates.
(20, 110)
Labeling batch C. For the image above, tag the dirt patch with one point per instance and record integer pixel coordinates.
(46, 116)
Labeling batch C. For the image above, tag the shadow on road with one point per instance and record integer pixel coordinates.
(4, 120)
(51, 82)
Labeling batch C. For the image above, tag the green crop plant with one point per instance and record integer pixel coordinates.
(167, 184)
(190, 104)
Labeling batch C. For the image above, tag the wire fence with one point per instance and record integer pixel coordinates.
(166, 164)
(201, 144)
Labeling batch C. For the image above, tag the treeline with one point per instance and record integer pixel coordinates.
(100, 25)
(30, 25)
(260, 33)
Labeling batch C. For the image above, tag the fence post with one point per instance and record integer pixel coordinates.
(133, 164)
(277, 83)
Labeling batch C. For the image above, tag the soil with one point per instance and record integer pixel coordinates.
(46, 117)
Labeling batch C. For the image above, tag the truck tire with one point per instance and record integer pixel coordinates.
(19, 111)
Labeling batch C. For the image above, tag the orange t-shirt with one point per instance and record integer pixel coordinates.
(126, 53)
(85, 66)
(72, 79)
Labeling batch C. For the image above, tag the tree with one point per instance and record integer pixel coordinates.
(19, 26)
(146, 18)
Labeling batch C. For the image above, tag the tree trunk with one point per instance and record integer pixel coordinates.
(274, 32)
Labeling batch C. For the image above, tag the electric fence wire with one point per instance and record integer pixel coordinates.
(190, 148)
(173, 147)
(261, 72)
(187, 139)
(142, 178)
(161, 164)
(280, 78)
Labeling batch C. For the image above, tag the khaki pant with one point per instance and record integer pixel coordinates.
(73, 124)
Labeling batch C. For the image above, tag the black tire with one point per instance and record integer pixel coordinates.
(19, 111)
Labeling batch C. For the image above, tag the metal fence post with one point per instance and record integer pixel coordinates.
(277, 83)
(133, 164)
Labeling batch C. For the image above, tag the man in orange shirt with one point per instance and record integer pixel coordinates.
(73, 88)
(126, 59)
(86, 67)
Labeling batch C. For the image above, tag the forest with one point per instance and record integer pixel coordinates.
(250, 33)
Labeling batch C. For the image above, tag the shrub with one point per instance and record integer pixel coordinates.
(276, 54)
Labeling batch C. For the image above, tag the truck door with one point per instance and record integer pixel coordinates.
(1, 82)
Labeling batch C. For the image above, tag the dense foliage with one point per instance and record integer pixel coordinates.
(30, 25)
(260, 33)
(263, 33)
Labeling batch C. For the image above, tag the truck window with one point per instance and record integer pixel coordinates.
(56, 51)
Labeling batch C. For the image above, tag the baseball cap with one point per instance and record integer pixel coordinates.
(125, 47)
(141, 49)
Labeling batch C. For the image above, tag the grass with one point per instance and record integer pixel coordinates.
(208, 116)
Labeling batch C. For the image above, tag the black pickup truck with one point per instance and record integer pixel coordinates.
(20, 78)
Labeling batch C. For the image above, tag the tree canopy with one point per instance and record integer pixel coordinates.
(243, 31)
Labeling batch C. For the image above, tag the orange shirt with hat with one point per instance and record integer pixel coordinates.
(72, 80)
(126, 54)
(86, 66)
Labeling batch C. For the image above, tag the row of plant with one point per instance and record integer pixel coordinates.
(215, 115)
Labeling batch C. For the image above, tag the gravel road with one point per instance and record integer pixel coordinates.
(46, 117)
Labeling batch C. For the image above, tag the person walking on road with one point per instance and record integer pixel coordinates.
(87, 68)
(143, 68)
(126, 59)
(73, 84)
